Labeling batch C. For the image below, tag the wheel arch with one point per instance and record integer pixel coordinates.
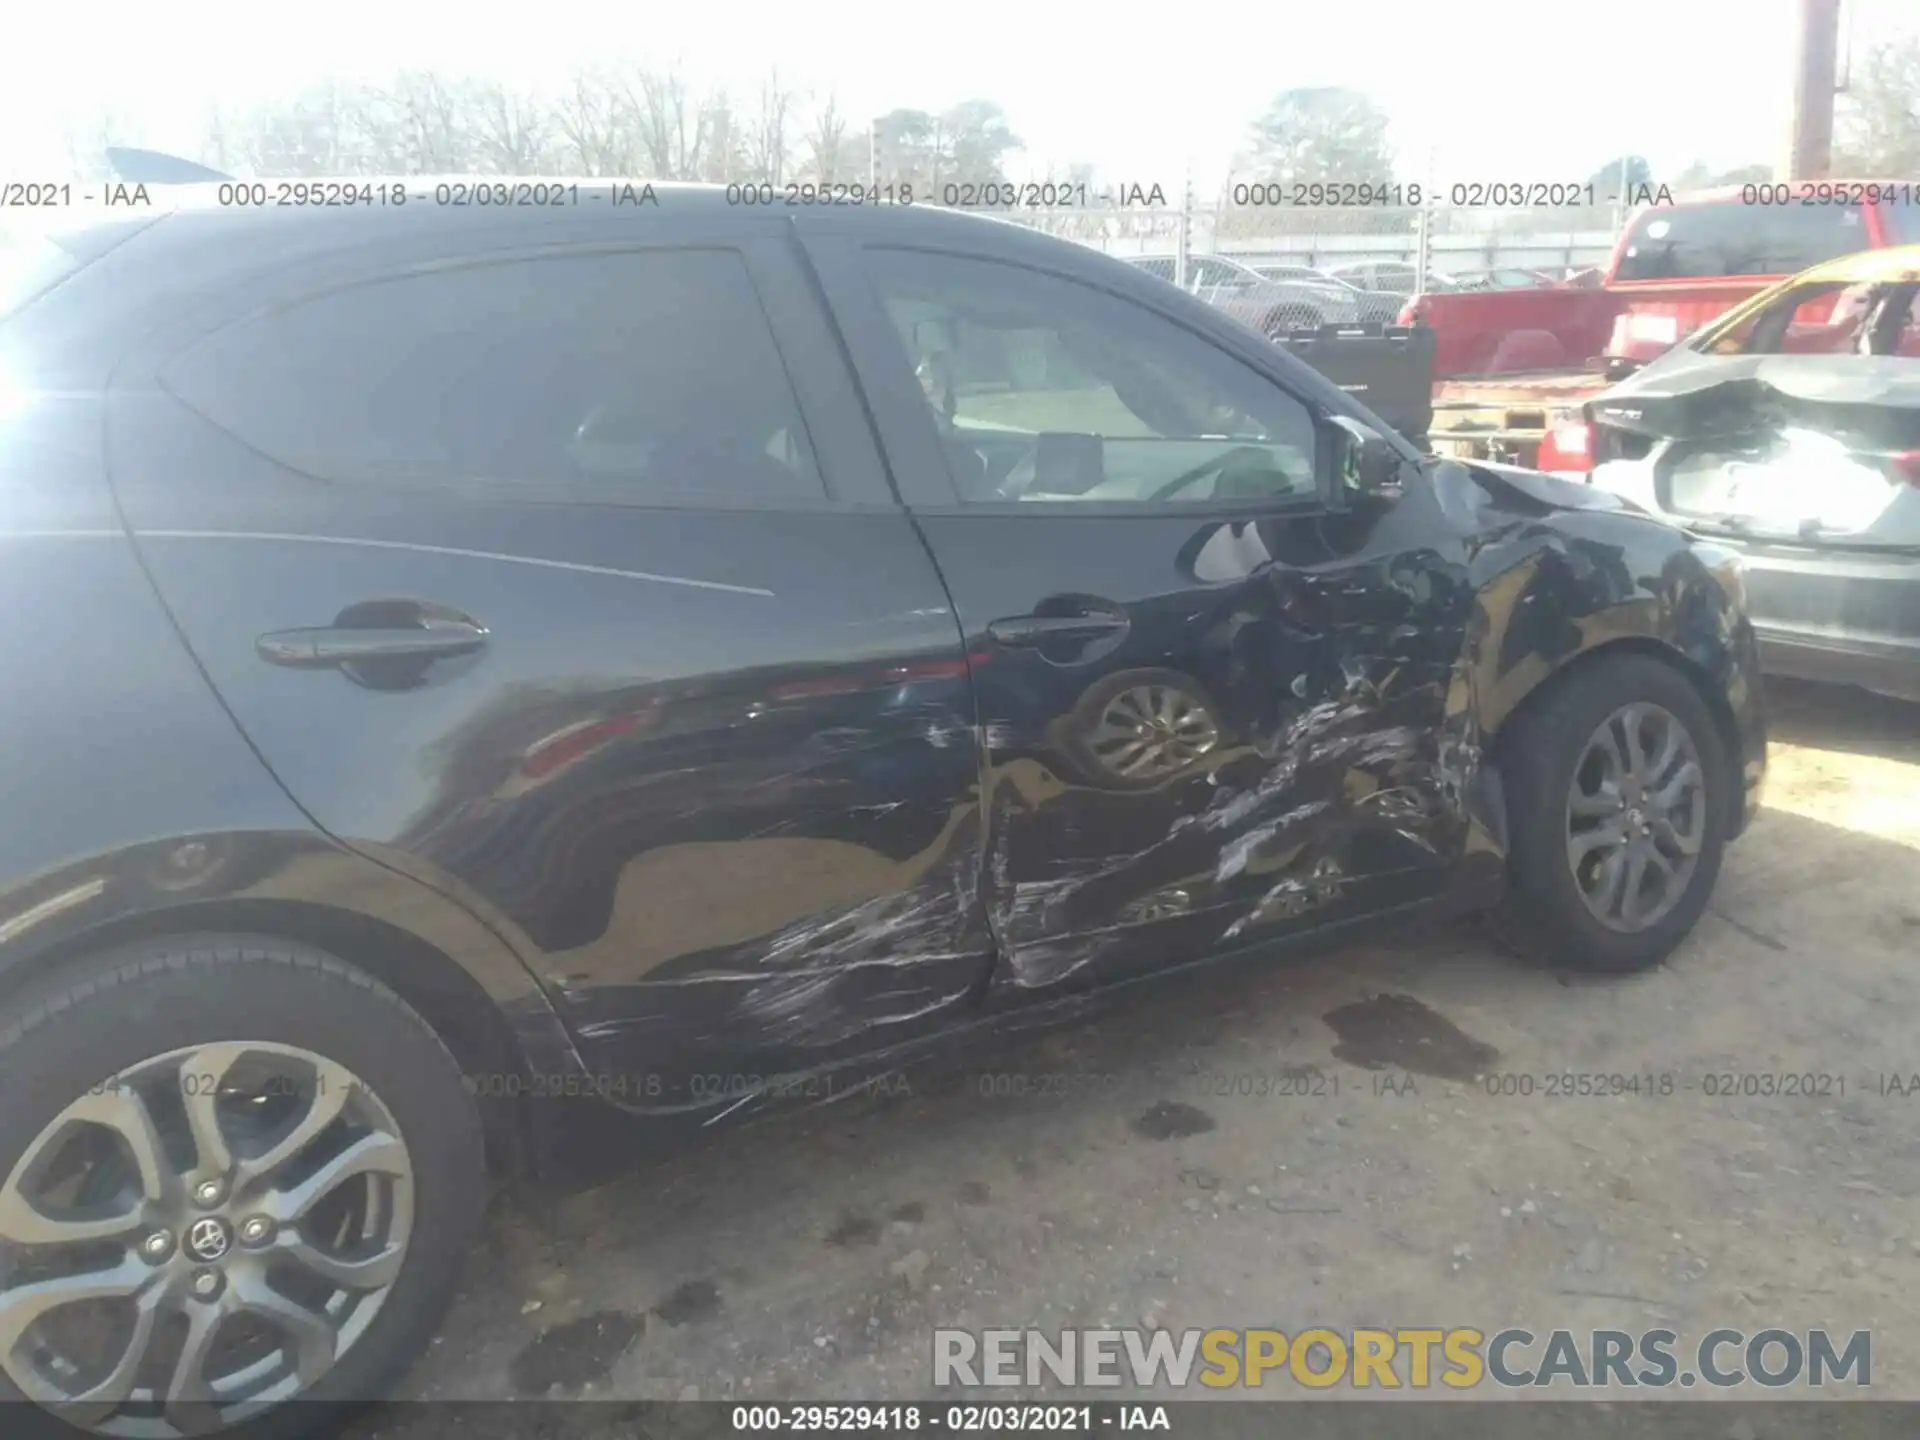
(461, 978)
(445, 995)
(1696, 675)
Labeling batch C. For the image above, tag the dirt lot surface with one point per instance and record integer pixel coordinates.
(1147, 1172)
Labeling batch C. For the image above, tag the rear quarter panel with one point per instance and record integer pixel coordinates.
(132, 803)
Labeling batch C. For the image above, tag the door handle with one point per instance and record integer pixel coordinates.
(324, 647)
(1027, 630)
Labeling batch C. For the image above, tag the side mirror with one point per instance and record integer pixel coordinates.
(1363, 462)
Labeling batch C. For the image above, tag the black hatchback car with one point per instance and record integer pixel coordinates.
(482, 679)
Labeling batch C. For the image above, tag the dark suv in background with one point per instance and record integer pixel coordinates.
(477, 675)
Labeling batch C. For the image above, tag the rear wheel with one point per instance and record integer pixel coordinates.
(1618, 787)
(1140, 728)
(237, 1173)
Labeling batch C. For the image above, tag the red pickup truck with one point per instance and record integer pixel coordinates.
(1511, 367)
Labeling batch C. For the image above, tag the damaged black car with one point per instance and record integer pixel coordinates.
(1789, 429)
(491, 683)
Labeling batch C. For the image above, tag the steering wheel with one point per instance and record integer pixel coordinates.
(1212, 465)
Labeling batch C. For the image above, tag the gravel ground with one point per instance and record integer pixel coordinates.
(1142, 1179)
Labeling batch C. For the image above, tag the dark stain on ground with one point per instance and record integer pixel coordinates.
(1759, 937)
(1398, 1032)
(911, 1213)
(973, 1192)
(1171, 1120)
(1024, 1167)
(854, 1229)
(691, 1301)
(577, 1353)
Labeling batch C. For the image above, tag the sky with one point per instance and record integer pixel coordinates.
(1517, 90)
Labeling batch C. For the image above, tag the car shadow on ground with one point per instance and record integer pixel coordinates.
(1843, 718)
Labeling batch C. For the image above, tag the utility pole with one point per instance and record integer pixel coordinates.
(1816, 64)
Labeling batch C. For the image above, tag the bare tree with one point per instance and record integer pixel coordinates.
(766, 141)
(594, 122)
(718, 152)
(321, 131)
(1880, 115)
(434, 114)
(831, 154)
(512, 129)
(669, 123)
(87, 142)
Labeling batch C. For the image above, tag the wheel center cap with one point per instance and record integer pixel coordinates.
(1634, 817)
(209, 1238)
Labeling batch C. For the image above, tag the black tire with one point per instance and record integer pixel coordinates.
(1544, 917)
(102, 1016)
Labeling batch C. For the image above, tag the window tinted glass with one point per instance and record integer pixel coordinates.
(632, 377)
(1827, 319)
(1902, 217)
(1730, 238)
(1043, 389)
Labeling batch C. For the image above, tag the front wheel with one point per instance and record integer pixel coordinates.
(1618, 787)
(238, 1173)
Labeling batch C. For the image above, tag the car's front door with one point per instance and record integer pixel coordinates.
(1213, 710)
(546, 576)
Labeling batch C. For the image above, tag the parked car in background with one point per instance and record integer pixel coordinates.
(1790, 430)
(1269, 306)
(1512, 368)
(1507, 279)
(1392, 275)
(1375, 307)
(494, 685)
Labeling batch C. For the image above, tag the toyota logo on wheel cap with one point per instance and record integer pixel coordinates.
(209, 1239)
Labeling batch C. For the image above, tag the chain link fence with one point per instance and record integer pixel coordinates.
(1376, 249)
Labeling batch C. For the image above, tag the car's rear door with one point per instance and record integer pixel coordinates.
(1214, 704)
(566, 577)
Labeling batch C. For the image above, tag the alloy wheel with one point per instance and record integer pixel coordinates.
(1151, 731)
(1636, 817)
(200, 1237)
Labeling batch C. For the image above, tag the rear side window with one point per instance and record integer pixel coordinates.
(647, 377)
(1727, 237)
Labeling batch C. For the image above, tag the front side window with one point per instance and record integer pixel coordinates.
(1045, 389)
(643, 377)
